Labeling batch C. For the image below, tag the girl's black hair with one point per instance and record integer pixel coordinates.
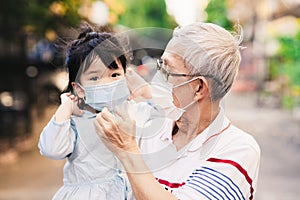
(81, 51)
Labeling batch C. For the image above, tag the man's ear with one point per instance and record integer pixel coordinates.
(78, 90)
(203, 89)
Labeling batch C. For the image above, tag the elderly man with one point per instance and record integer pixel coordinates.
(197, 153)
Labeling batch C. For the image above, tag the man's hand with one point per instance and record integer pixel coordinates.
(139, 88)
(117, 131)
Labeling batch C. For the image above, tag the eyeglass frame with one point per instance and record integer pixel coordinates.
(160, 67)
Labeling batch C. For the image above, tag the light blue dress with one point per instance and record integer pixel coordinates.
(91, 170)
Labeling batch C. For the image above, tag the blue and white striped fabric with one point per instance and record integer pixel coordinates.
(214, 185)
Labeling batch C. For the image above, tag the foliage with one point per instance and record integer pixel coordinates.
(287, 63)
(217, 13)
(36, 16)
(150, 13)
(290, 58)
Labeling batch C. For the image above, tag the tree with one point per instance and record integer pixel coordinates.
(150, 13)
(23, 23)
(285, 64)
(217, 13)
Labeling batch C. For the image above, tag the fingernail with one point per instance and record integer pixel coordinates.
(129, 71)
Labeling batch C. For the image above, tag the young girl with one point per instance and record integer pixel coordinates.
(96, 65)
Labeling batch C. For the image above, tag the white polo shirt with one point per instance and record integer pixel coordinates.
(220, 163)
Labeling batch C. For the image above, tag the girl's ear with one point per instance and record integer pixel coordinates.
(78, 90)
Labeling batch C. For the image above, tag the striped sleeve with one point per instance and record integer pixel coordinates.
(217, 179)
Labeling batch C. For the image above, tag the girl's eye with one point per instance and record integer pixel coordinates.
(95, 78)
(115, 74)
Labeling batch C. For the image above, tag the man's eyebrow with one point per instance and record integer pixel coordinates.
(166, 61)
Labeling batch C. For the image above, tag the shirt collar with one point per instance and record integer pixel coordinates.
(220, 124)
(217, 127)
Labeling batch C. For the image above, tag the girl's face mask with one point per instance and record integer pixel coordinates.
(106, 95)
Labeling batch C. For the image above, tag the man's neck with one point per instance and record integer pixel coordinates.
(194, 123)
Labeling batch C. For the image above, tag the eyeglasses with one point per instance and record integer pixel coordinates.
(166, 73)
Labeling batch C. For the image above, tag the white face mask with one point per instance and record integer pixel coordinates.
(106, 95)
(161, 92)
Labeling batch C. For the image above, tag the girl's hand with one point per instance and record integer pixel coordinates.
(67, 107)
(70, 101)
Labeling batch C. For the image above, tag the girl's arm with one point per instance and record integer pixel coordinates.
(57, 139)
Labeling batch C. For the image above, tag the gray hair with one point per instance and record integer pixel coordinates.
(212, 51)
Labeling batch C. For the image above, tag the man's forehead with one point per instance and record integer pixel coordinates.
(175, 46)
(172, 57)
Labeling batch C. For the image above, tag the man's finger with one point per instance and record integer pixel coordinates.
(134, 80)
(106, 115)
(123, 110)
(99, 127)
(100, 132)
(100, 120)
(107, 127)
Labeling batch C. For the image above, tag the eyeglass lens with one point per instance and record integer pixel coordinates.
(162, 69)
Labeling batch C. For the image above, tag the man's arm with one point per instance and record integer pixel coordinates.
(118, 136)
(143, 183)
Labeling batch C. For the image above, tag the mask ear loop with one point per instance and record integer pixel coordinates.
(194, 101)
(81, 104)
(79, 85)
(185, 107)
(186, 82)
(81, 100)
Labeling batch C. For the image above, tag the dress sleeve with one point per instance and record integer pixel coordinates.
(57, 140)
(231, 174)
